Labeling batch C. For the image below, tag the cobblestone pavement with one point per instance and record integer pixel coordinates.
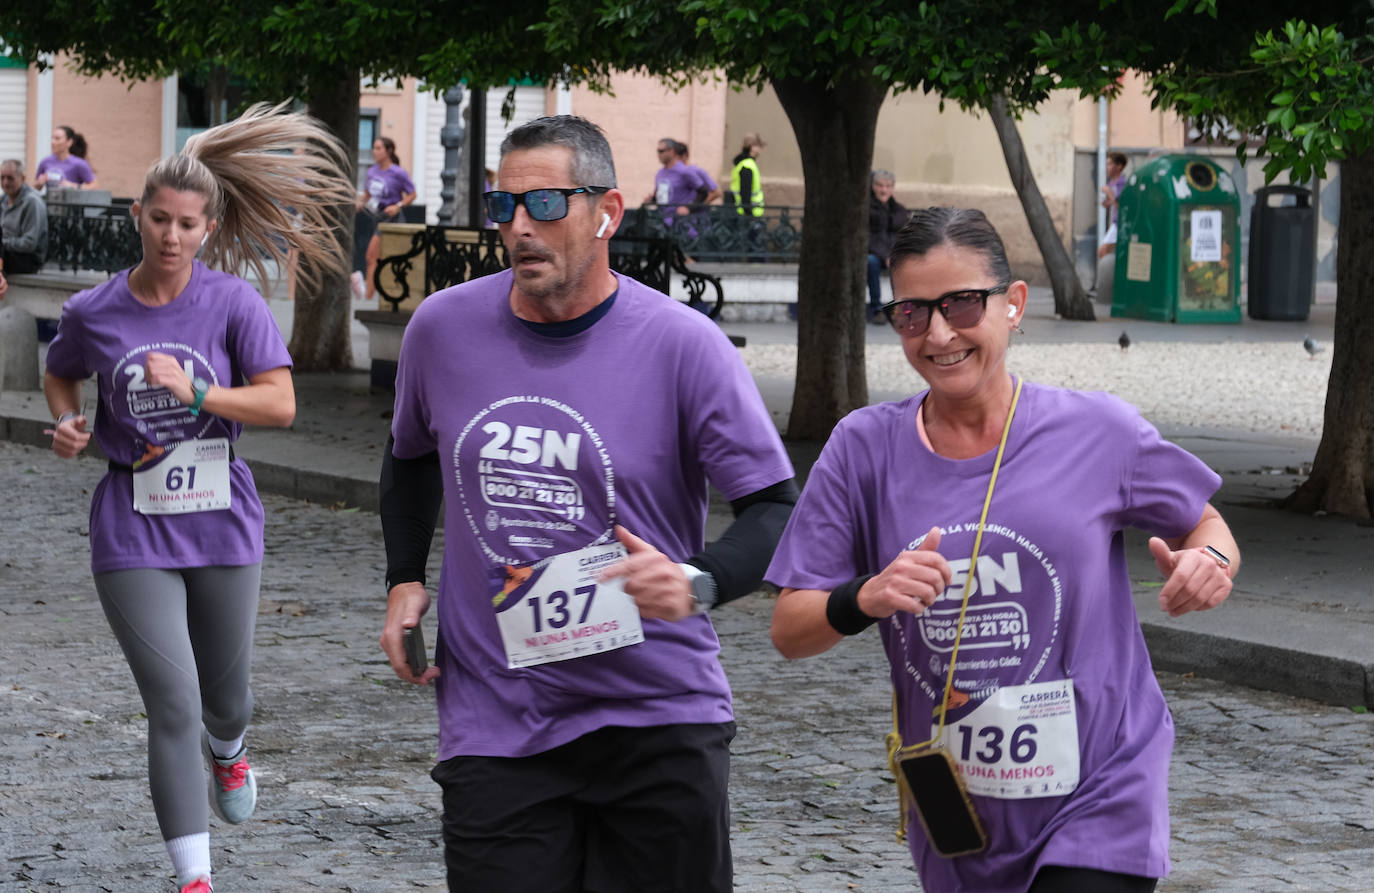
(1269, 792)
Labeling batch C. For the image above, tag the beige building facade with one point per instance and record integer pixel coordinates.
(938, 157)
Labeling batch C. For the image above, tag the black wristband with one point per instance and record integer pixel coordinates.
(842, 608)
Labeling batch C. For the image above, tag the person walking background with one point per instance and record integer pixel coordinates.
(184, 356)
(67, 165)
(746, 183)
(388, 189)
(1017, 660)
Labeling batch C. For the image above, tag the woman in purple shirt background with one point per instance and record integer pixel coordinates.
(1053, 720)
(67, 165)
(387, 189)
(184, 356)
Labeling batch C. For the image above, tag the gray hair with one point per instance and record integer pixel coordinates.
(14, 163)
(962, 227)
(880, 175)
(592, 164)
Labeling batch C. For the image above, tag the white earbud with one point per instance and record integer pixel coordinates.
(605, 222)
(203, 239)
(135, 223)
(1011, 313)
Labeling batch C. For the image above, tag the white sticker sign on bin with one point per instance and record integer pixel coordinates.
(1206, 241)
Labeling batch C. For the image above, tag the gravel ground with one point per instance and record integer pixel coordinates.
(1261, 387)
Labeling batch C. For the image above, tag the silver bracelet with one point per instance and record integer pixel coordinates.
(69, 414)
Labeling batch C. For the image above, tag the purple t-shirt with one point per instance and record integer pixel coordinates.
(1051, 601)
(222, 331)
(624, 423)
(679, 184)
(385, 188)
(70, 170)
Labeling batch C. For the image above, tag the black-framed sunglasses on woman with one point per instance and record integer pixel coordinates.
(542, 204)
(962, 309)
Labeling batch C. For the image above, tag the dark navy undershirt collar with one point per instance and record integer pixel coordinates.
(569, 327)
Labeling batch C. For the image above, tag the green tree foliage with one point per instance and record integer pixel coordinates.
(1301, 86)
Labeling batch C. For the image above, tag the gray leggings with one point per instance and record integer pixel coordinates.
(188, 637)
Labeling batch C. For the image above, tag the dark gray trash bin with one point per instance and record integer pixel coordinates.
(1282, 264)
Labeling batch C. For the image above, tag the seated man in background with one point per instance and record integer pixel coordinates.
(23, 222)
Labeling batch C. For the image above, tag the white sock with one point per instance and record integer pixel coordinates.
(229, 749)
(190, 856)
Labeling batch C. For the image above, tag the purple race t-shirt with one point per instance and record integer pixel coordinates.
(1051, 601)
(70, 170)
(545, 443)
(678, 185)
(222, 331)
(386, 187)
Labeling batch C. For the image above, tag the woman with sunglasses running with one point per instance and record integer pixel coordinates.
(388, 190)
(979, 525)
(184, 356)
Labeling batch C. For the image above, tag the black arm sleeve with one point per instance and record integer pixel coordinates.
(411, 491)
(740, 557)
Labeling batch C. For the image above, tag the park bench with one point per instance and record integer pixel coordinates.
(442, 256)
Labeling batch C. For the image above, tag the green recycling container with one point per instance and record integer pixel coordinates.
(1178, 238)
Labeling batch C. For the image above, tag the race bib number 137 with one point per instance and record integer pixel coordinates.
(561, 612)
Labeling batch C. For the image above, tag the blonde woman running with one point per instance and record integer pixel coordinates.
(185, 356)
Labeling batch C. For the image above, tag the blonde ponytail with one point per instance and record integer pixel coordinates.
(273, 179)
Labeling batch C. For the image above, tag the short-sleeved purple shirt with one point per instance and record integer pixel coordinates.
(679, 184)
(386, 187)
(1051, 601)
(624, 423)
(222, 331)
(71, 170)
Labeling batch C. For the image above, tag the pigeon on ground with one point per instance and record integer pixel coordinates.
(1311, 346)
(1124, 341)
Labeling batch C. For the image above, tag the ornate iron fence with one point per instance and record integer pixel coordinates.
(719, 233)
(456, 254)
(92, 237)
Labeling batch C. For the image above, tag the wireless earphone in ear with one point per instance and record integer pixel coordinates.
(203, 239)
(135, 222)
(1011, 313)
(605, 222)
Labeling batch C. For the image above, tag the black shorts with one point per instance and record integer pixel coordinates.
(619, 809)
(1066, 879)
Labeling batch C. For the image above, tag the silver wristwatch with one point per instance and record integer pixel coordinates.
(702, 587)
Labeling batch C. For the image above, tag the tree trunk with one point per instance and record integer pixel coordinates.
(1342, 479)
(322, 316)
(834, 125)
(1070, 300)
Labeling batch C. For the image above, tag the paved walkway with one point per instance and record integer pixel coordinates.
(1301, 618)
(1268, 792)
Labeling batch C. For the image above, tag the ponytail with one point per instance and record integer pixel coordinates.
(390, 145)
(265, 196)
(78, 146)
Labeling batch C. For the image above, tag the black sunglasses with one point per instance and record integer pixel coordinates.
(962, 309)
(543, 204)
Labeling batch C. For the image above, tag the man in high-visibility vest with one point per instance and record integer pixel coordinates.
(745, 182)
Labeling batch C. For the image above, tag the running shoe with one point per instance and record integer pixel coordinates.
(199, 885)
(233, 790)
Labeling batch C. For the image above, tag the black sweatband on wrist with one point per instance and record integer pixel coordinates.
(842, 610)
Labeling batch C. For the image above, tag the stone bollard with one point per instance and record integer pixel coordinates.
(18, 350)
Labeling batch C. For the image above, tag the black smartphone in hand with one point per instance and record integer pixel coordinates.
(414, 641)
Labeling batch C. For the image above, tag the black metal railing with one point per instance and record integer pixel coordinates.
(456, 254)
(92, 237)
(719, 233)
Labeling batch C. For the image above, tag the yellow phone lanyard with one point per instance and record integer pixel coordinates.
(895, 749)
